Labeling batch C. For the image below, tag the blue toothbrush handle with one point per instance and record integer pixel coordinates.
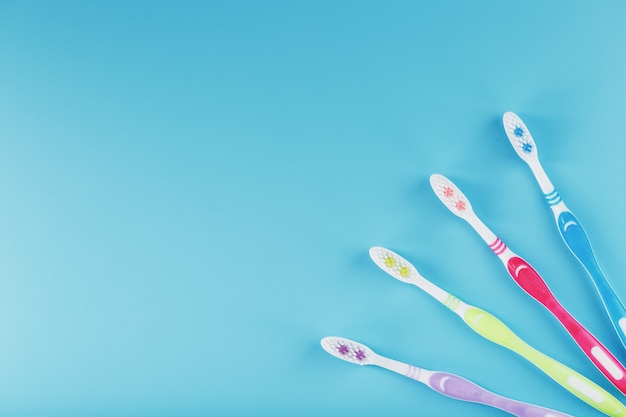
(577, 241)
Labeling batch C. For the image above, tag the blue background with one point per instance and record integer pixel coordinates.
(188, 191)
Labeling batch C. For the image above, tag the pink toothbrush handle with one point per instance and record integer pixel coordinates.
(460, 388)
(531, 282)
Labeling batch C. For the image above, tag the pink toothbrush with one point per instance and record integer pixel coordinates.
(531, 282)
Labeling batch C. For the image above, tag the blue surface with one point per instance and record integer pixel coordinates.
(189, 191)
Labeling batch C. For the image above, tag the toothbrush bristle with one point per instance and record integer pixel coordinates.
(348, 350)
(519, 136)
(393, 264)
(450, 195)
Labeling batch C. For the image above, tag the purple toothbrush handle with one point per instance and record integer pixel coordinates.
(460, 388)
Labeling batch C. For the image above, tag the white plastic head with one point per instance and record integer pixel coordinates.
(394, 264)
(519, 136)
(348, 350)
(451, 196)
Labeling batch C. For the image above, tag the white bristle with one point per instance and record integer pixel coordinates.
(348, 350)
(394, 264)
(519, 136)
(450, 195)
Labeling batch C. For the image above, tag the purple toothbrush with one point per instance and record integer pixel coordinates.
(445, 383)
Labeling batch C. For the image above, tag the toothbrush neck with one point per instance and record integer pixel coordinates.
(431, 289)
(401, 368)
(541, 177)
(488, 236)
(549, 192)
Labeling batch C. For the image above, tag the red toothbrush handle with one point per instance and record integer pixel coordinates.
(531, 282)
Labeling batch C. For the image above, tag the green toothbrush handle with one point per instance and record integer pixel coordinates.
(491, 328)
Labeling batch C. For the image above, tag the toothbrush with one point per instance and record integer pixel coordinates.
(445, 383)
(568, 225)
(494, 330)
(531, 282)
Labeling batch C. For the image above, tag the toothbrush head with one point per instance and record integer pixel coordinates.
(394, 264)
(348, 350)
(451, 196)
(519, 136)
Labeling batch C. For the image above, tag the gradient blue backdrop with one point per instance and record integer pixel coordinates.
(188, 191)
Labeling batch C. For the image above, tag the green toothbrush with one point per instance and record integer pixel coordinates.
(491, 328)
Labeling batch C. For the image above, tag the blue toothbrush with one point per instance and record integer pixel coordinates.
(569, 227)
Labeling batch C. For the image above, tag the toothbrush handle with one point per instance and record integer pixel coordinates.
(576, 240)
(531, 282)
(460, 388)
(491, 328)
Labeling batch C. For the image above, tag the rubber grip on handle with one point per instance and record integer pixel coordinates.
(462, 389)
(530, 280)
(576, 240)
(491, 328)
